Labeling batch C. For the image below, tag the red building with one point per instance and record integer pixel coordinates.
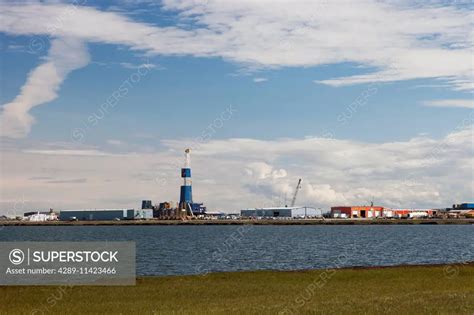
(357, 211)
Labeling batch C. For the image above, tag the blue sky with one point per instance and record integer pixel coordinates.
(288, 104)
(292, 71)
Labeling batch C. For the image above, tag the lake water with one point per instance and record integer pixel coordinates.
(175, 250)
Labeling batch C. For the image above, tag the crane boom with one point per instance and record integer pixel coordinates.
(298, 187)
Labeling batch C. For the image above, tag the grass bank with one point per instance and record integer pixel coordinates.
(393, 290)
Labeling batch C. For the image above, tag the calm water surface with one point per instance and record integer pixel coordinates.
(174, 250)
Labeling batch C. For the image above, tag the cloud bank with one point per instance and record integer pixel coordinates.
(462, 103)
(232, 174)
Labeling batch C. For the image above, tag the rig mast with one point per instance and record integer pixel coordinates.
(186, 195)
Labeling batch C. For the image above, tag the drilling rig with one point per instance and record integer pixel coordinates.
(186, 193)
(187, 209)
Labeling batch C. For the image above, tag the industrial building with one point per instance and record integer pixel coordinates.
(40, 216)
(463, 206)
(379, 212)
(147, 204)
(276, 212)
(463, 210)
(281, 212)
(462, 213)
(409, 213)
(215, 215)
(357, 211)
(105, 214)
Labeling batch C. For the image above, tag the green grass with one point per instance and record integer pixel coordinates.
(395, 290)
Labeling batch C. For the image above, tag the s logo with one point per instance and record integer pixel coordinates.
(16, 256)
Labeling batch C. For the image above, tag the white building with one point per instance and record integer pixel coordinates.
(40, 216)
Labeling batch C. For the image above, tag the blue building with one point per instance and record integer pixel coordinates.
(463, 206)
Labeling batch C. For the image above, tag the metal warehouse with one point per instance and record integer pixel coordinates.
(105, 214)
(283, 212)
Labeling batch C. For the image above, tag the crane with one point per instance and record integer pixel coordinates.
(298, 187)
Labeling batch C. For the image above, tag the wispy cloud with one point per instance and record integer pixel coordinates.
(259, 80)
(16, 48)
(72, 152)
(42, 85)
(115, 142)
(40, 178)
(464, 103)
(68, 181)
(318, 33)
(128, 65)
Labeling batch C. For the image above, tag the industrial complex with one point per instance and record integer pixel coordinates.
(188, 209)
(353, 212)
(185, 209)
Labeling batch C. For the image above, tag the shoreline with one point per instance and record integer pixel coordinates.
(348, 268)
(246, 222)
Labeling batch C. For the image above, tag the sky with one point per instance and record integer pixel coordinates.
(362, 100)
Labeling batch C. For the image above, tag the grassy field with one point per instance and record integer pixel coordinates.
(394, 290)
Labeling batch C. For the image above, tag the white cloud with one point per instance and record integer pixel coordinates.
(465, 103)
(128, 65)
(259, 80)
(325, 194)
(16, 48)
(69, 152)
(431, 42)
(262, 170)
(239, 173)
(115, 142)
(42, 85)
